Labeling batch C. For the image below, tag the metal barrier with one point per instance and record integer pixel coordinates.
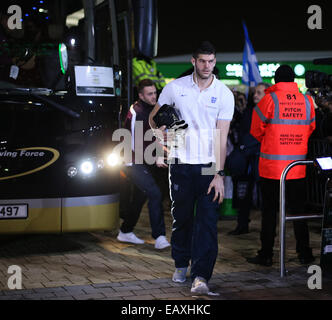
(284, 218)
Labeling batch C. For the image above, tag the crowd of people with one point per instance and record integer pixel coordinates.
(242, 161)
(256, 140)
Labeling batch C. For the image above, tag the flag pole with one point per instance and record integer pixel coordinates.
(250, 75)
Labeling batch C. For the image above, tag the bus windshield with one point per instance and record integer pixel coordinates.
(42, 41)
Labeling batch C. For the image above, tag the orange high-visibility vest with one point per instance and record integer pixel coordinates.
(283, 122)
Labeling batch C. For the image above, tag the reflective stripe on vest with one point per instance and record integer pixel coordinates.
(277, 119)
(140, 75)
(261, 115)
(157, 80)
(283, 157)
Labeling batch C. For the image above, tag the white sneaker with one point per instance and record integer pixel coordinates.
(129, 237)
(199, 286)
(179, 275)
(161, 243)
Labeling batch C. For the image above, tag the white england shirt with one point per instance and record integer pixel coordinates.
(201, 110)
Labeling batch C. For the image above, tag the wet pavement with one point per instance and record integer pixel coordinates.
(95, 266)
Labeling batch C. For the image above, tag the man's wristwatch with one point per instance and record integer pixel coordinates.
(221, 173)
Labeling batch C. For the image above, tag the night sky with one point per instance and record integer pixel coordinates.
(272, 25)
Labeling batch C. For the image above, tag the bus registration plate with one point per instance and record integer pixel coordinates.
(14, 211)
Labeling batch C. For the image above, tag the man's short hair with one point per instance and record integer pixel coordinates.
(264, 84)
(284, 74)
(205, 47)
(144, 83)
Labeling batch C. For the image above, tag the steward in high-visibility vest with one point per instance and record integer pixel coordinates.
(147, 69)
(283, 122)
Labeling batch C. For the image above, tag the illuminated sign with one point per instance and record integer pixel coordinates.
(266, 70)
(94, 81)
(233, 70)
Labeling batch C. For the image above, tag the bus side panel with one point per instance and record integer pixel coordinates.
(44, 216)
(90, 213)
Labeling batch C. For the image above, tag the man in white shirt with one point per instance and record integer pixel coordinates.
(207, 106)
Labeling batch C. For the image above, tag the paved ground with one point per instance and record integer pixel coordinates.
(96, 266)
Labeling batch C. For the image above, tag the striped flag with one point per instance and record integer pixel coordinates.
(250, 75)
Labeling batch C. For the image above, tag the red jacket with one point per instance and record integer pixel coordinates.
(283, 122)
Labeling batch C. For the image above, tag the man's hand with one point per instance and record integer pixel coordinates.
(160, 163)
(218, 184)
(160, 134)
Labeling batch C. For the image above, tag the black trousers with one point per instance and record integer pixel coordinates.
(145, 187)
(132, 200)
(295, 199)
(242, 199)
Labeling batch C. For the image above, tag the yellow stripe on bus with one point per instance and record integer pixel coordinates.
(56, 156)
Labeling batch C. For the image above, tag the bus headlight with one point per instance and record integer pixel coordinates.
(100, 164)
(72, 172)
(113, 160)
(87, 167)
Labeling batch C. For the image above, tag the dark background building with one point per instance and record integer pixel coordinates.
(272, 25)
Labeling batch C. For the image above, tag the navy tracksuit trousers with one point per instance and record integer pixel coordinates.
(194, 237)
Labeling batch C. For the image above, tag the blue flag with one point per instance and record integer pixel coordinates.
(250, 75)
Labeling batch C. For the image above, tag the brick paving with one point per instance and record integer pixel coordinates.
(250, 285)
(95, 266)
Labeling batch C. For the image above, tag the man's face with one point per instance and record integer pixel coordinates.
(241, 102)
(204, 65)
(259, 93)
(149, 95)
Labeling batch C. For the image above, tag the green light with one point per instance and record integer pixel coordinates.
(62, 49)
